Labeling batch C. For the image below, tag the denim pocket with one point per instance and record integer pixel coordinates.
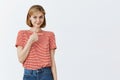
(28, 75)
(27, 72)
(47, 75)
(48, 70)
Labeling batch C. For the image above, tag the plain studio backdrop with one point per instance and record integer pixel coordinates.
(87, 36)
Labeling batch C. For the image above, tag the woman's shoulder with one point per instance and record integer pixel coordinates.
(48, 32)
(22, 32)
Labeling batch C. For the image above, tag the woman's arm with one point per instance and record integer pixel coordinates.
(23, 52)
(53, 67)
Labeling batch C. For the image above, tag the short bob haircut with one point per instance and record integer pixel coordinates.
(33, 9)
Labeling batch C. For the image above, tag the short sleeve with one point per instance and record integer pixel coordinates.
(52, 41)
(20, 39)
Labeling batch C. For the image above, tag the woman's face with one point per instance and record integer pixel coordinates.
(37, 19)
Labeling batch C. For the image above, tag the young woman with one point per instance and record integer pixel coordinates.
(36, 47)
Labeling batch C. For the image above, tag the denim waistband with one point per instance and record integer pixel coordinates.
(44, 69)
(41, 69)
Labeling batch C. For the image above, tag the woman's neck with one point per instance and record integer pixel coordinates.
(35, 29)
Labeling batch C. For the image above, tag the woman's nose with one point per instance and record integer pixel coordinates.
(38, 19)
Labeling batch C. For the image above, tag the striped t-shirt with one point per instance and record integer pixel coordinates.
(39, 54)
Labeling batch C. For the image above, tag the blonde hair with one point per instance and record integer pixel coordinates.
(33, 9)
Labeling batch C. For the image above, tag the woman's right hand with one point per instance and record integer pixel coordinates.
(23, 52)
(33, 37)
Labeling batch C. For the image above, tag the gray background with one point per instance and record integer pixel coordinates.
(87, 36)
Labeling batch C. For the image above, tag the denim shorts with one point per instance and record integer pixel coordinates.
(39, 74)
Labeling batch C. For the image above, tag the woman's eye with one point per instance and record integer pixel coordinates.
(41, 17)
